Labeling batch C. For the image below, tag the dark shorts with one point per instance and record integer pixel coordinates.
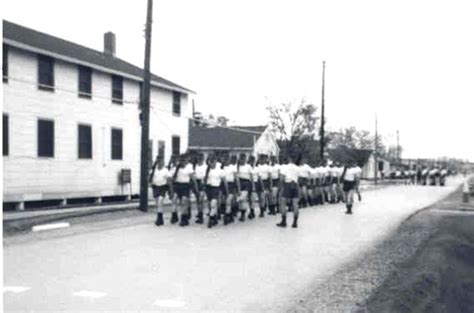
(317, 182)
(290, 191)
(348, 185)
(334, 181)
(212, 192)
(182, 189)
(159, 191)
(266, 185)
(245, 185)
(200, 187)
(303, 182)
(276, 182)
(232, 188)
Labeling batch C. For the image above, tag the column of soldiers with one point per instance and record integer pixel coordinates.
(421, 175)
(231, 188)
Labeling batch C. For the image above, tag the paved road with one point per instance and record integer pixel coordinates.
(253, 266)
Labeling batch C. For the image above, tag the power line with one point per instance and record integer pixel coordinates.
(154, 105)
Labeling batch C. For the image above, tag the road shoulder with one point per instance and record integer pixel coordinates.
(388, 277)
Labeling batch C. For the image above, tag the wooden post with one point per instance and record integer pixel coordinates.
(145, 107)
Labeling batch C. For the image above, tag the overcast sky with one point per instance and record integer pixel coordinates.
(411, 62)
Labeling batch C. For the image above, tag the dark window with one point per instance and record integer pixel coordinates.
(176, 103)
(140, 100)
(116, 144)
(45, 138)
(5, 64)
(117, 89)
(45, 73)
(85, 82)
(5, 135)
(85, 142)
(150, 153)
(175, 142)
(161, 148)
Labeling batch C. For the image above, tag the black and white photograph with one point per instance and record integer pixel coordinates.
(238, 156)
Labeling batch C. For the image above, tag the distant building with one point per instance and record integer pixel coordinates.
(383, 166)
(71, 119)
(251, 140)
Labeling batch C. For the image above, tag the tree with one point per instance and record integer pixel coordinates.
(294, 125)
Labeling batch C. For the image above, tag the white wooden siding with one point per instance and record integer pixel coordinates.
(29, 177)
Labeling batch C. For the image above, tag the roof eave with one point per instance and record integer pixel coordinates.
(58, 56)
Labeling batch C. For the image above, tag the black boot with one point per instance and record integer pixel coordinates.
(199, 218)
(159, 219)
(184, 220)
(251, 214)
(262, 212)
(349, 209)
(242, 215)
(226, 219)
(295, 222)
(271, 209)
(211, 222)
(174, 217)
(283, 221)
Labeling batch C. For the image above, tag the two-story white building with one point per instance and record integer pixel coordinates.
(71, 119)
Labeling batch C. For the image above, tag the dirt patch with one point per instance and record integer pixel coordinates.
(426, 265)
(439, 278)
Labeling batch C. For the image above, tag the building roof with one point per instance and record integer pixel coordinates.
(343, 154)
(57, 46)
(224, 138)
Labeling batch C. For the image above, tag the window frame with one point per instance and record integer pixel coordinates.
(173, 144)
(176, 99)
(161, 152)
(42, 60)
(38, 142)
(112, 144)
(91, 152)
(116, 79)
(6, 135)
(87, 71)
(5, 50)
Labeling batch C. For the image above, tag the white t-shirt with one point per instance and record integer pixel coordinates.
(332, 171)
(275, 171)
(358, 171)
(244, 171)
(200, 171)
(291, 173)
(264, 171)
(351, 174)
(215, 176)
(304, 171)
(322, 172)
(184, 174)
(444, 172)
(230, 171)
(160, 177)
(255, 172)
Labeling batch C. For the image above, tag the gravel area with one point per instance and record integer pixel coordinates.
(350, 288)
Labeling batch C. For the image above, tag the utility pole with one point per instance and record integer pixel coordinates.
(398, 148)
(145, 113)
(376, 167)
(321, 131)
